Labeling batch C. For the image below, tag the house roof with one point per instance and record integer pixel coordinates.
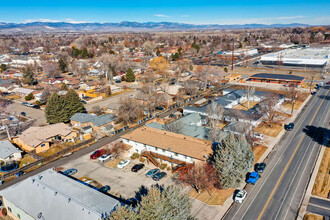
(57, 196)
(34, 136)
(96, 120)
(277, 76)
(7, 149)
(177, 143)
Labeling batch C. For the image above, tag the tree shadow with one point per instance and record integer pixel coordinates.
(318, 134)
(324, 97)
(235, 192)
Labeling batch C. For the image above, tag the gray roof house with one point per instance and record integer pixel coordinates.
(9, 152)
(81, 120)
(53, 196)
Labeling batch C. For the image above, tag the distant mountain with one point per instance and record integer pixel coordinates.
(33, 27)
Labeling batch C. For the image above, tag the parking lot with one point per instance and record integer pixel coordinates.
(37, 114)
(123, 182)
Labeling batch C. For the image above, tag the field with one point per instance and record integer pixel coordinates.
(52, 150)
(273, 131)
(258, 151)
(322, 183)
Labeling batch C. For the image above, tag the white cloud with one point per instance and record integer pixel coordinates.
(161, 16)
(69, 20)
(289, 18)
(185, 16)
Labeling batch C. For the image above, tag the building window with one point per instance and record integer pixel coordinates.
(9, 209)
(156, 148)
(176, 154)
(43, 145)
(163, 151)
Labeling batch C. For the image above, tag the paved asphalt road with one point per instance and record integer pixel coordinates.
(279, 192)
(319, 206)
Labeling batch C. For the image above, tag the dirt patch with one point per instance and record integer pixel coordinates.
(26, 160)
(273, 131)
(113, 163)
(90, 181)
(313, 217)
(296, 106)
(258, 151)
(212, 196)
(52, 150)
(244, 106)
(322, 182)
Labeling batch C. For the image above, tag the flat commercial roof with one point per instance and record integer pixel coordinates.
(277, 76)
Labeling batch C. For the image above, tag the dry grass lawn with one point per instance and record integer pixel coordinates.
(92, 183)
(26, 160)
(306, 85)
(13, 97)
(273, 131)
(213, 196)
(296, 106)
(52, 150)
(322, 183)
(113, 163)
(244, 106)
(258, 151)
(311, 216)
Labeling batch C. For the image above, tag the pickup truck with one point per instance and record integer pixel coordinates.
(253, 177)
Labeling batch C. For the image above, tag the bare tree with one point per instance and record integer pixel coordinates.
(129, 110)
(149, 47)
(108, 65)
(51, 68)
(269, 108)
(175, 127)
(250, 92)
(117, 149)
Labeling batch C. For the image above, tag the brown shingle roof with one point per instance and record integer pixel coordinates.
(178, 143)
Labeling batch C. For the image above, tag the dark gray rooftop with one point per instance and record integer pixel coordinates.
(277, 76)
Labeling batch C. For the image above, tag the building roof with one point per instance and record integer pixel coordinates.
(7, 149)
(177, 143)
(277, 76)
(34, 136)
(57, 196)
(96, 120)
(23, 90)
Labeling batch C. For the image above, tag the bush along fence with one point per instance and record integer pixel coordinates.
(41, 161)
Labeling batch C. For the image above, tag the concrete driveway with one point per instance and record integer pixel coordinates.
(123, 182)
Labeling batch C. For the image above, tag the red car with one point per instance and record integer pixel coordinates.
(97, 154)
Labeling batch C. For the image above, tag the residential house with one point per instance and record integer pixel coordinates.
(41, 138)
(101, 123)
(163, 146)
(51, 195)
(9, 152)
(23, 91)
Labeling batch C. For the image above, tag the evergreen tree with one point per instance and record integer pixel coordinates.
(73, 104)
(124, 212)
(130, 76)
(3, 67)
(232, 159)
(157, 52)
(62, 65)
(54, 110)
(64, 87)
(28, 75)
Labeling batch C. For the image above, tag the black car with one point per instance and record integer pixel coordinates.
(36, 106)
(137, 167)
(159, 176)
(159, 108)
(259, 167)
(289, 127)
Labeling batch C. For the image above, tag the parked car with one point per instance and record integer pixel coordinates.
(105, 157)
(152, 172)
(97, 154)
(240, 196)
(104, 189)
(137, 167)
(328, 82)
(159, 108)
(289, 127)
(118, 81)
(23, 113)
(67, 154)
(320, 84)
(253, 177)
(25, 103)
(70, 172)
(123, 163)
(258, 136)
(260, 167)
(159, 176)
(36, 106)
(172, 116)
(19, 173)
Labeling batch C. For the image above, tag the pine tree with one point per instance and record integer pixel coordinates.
(54, 110)
(123, 213)
(28, 75)
(45, 95)
(232, 159)
(73, 104)
(64, 87)
(62, 65)
(130, 76)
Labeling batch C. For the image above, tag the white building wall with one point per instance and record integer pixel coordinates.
(15, 212)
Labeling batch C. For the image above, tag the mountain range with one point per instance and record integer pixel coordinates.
(35, 27)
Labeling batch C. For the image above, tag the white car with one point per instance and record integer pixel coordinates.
(105, 157)
(123, 163)
(258, 136)
(240, 196)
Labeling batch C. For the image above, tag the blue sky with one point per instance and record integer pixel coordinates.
(187, 11)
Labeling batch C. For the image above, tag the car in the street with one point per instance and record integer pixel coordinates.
(104, 189)
(253, 177)
(328, 82)
(70, 172)
(240, 196)
(96, 154)
(152, 172)
(137, 167)
(105, 157)
(25, 103)
(260, 167)
(123, 163)
(159, 176)
(289, 127)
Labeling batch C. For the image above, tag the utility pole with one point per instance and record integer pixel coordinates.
(293, 97)
(311, 84)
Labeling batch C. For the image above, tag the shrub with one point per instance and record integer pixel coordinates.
(163, 166)
(29, 97)
(142, 159)
(168, 168)
(135, 156)
(37, 103)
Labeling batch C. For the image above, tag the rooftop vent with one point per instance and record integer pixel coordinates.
(55, 193)
(33, 180)
(39, 177)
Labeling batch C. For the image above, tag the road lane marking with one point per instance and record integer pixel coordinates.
(289, 162)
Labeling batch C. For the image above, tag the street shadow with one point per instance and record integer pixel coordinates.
(324, 97)
(318, 134)
(234, 194)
